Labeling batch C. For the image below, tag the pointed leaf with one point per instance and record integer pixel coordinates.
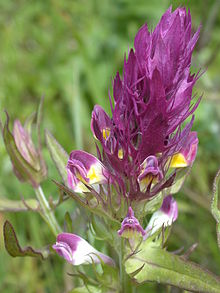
(68, 223)
(29, 123)
(13, 247)
(39, 121)
(181, 175)
(166, 268)
(58, 155)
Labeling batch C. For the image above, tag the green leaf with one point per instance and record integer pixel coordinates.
(158, 265)
(181, 175)
(39, 121)
(68, 222)
(214, 205)
(13, 247)
(144, 207)
(7, 205)
(28, 125)
(58, 155)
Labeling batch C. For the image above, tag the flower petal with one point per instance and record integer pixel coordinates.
(78, 251)
(150, 172)
(130, 227)
(165, 216)
(85, 169)
(187, 154)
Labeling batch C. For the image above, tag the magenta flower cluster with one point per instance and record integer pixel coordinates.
(147, 138)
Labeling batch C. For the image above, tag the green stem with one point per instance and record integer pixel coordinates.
(126, 285)
(46, 212)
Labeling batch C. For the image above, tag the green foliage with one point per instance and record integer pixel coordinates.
(13, 247)
(58, 155)
(151, 263)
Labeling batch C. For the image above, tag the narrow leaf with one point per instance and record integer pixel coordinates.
(13, 247)
(68, 223)
(58, 155)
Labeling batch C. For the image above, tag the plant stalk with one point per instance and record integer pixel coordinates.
(126, 285)
(46, 212)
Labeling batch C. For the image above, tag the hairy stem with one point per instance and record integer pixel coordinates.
(46, 212)
(126, 285)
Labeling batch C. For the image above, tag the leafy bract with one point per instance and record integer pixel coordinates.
(214, 205)
(152, 263)
(58, 155)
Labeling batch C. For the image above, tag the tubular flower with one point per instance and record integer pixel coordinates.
(78, 251)
(130, 227)
(150, 172)
(144, 136)
(165, 216)
(84, 169)
(187, 154)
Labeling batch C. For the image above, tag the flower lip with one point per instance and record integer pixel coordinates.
(64, 250)
(78, 251)
(130, 226)
(187, 153)
(150, 166)
(85, 169)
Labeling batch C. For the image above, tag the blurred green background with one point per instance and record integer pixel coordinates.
(69, 51)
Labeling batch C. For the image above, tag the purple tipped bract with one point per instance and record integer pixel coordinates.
(144, 135)
(151, 101)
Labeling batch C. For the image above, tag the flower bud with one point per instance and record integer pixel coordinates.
(27, 161)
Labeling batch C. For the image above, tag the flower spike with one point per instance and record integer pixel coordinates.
(77, 251)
